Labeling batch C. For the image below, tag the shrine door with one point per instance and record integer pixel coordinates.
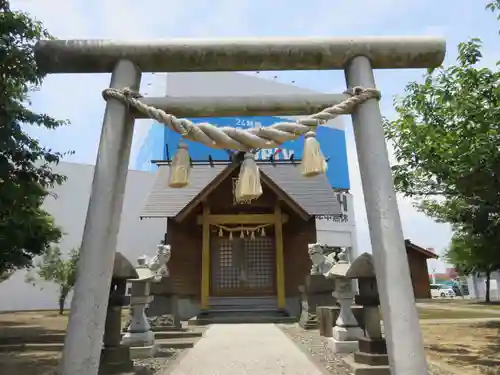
(243, 266)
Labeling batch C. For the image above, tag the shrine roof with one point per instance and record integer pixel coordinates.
(164, 201)
(312, 195)
(428, 254)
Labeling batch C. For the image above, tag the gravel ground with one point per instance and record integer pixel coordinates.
(164, 359)
(314, 345)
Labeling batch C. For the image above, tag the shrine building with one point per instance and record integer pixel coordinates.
(228, 254)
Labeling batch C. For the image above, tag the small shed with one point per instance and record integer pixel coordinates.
(417, 260)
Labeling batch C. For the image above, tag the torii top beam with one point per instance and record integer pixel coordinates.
(192, 55)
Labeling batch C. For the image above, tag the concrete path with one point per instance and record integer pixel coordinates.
(240, 349)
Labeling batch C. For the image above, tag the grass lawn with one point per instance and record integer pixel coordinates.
(495, 305)
(27, 325)
(467, 349)
(486, 306)
(425, 313)
(480, 305)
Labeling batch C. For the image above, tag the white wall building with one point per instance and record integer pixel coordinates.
(136, 237)
(477, 286)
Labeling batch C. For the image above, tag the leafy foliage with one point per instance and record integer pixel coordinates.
(470, 255)
(445, 139)
(53, 267)
(494, 6)
(447, 131)
(26, 230)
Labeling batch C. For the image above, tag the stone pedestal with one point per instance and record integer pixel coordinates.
(357, 311)
(317, 291)
(371, 358)
(327, 315)
(346, 331)
(115, 358)
(163, 311)
(139, 336)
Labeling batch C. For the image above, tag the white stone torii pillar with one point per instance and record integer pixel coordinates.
(125, 60)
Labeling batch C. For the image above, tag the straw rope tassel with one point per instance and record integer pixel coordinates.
(181, 165)
(313, 161)
(248, 186)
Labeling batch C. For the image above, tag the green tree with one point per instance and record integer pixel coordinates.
(55, 268)
(26, 230)
(445, 139)
(447, 130)
(470, 255)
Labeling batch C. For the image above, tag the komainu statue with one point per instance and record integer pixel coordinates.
(163, 309)
(322, 262)
(158, 263)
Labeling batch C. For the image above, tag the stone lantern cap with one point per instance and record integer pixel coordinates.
(341, 267)
(362, 267)
(122, 268)
(144, 274)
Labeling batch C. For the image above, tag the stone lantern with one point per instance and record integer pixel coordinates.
(115, 358)
(372, 354)
(346, 331)
(139, 335)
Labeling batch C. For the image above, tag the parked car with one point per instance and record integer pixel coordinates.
(442, 291)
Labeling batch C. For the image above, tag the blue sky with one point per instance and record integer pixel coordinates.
(78, 98)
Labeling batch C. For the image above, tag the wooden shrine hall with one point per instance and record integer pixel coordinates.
(240, 255)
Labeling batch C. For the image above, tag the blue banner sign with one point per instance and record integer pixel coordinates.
(332, 140)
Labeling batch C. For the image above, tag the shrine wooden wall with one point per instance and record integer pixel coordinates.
(419, 274)
(297, 234)
(185, 260)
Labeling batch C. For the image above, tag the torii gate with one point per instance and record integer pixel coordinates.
(358, 56)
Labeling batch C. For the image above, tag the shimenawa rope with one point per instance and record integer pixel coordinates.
(248, 186)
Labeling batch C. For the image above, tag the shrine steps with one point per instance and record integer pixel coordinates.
(160, 335)
(231, 310)
(165, 338)
(167, 343)
(177, 343)
(243, 303)
(235, 316)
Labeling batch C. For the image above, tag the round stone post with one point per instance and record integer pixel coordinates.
(402, 330)
(83, 343)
